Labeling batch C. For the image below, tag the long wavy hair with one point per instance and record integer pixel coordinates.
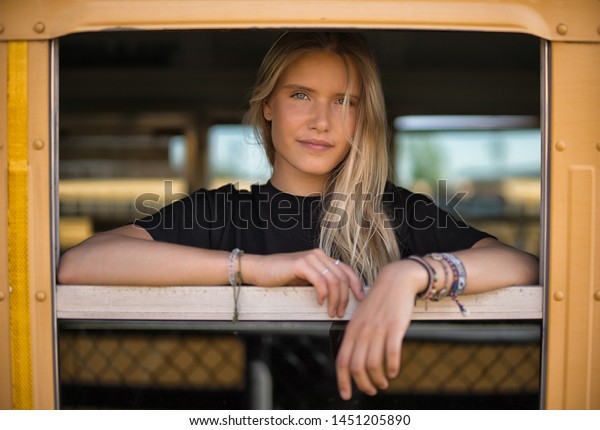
(353, 222)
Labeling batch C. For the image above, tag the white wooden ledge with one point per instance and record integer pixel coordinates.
(84, 302)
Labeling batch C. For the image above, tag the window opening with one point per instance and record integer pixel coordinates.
(103, 176)
(235, 156)
(204, 75)
(486, 169)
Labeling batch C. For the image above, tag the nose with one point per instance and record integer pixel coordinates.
(320, 117)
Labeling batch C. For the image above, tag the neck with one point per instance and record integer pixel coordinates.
(298, 186)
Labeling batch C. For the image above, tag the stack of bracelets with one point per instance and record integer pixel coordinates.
(454, 285)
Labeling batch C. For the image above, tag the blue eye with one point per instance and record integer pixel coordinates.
(299, 96)
(351, 101)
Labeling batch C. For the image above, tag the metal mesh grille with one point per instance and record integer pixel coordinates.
(301, 367)
(474, 368)
(151, 359)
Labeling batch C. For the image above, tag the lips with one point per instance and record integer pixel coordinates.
(316, 145)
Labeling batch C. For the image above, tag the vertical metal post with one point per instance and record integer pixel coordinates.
(29, 241)
(5, 349)
(545, 201)
(573, 314)
(39, 237)
(18, 210)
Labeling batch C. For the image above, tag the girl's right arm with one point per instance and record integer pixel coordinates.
(129, 256)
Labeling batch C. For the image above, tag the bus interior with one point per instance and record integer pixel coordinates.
(160, 112)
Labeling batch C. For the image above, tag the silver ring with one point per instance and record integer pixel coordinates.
(324, 272)
(337, 262)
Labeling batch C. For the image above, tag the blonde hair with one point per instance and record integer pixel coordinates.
(353, 223)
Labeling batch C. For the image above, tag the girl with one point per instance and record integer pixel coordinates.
(328, 217)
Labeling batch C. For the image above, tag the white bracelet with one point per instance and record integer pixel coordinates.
(233, 275)
(235, 279)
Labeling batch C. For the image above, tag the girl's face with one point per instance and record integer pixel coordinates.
(309, 131)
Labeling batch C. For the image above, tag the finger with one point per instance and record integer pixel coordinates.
(330, 278)
(375, 365)
(393, 353)
(342, 367)
(339, 282)
(344, 294)
(325, 283)
(337, 278)
(358, 368)
(318, 280)
(314, 276)
(316, 272)
(354, 281)
(334, 291)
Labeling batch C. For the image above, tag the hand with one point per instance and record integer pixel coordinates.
(371, 349)
(332, 281)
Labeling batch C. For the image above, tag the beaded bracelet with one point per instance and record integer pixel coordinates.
(444, 290)
(432, 278)
(235, 279)
(460, 277)
(460, 282)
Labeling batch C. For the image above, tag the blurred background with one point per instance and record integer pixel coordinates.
(141, 108)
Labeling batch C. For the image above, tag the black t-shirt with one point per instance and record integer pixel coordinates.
(265, 220)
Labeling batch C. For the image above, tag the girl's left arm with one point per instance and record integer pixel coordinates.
(371, 348)
(492, 264)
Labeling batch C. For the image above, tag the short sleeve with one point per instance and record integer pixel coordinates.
(427, 228)
(196, 220)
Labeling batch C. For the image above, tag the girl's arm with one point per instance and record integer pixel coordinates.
(129, 256)
(371, 348)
